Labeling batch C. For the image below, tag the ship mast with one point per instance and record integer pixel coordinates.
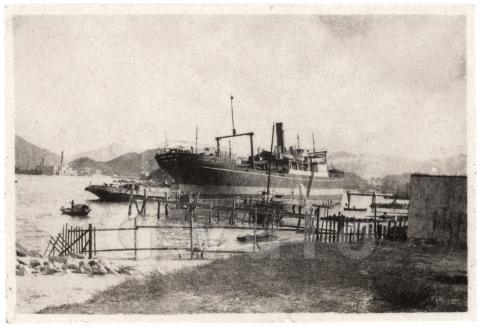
(313, 139)
(196, 139)
(234, 132)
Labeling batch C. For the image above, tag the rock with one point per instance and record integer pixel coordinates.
(87, 269)
(61, 259)
(99, 270)
(57, 265)
(50, 270)
(94, 262)
(21, 254)
(70, 265)
(34, 263)
(77, 256)
(111, 269)
(21, 270)
(125, 270)
(77, 271)
(21, 262)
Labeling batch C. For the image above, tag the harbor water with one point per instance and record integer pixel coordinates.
(38, 217)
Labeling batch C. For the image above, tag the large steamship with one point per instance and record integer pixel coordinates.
(292, 173)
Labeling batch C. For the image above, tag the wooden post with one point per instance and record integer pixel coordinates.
(388, 228)
(144, 202)
(210, 214)
(250, 210)
(90, 245)
(329, 228)
(233, 212)
(158, 209)
(394, 230)
(66, 235)
(95, 240)
(130, 201)
(358, 230)
(298, 224)
(81, 239)
(191, 236)
(322, 238)
(135, 237)
(317, 211)
(255, 230)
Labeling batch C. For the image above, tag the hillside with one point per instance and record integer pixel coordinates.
(109, 152)
(370, 166)
(28, 155)
(129, 164)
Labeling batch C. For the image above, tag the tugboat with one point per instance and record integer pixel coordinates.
(76, 210)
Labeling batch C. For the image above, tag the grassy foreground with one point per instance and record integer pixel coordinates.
(391, 278)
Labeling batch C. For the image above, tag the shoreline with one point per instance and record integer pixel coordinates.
(37, 292)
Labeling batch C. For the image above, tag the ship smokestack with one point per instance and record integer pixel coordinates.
(280, 140)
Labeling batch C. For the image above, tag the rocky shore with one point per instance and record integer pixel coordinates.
(29, 263)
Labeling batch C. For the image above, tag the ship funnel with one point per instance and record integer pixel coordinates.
(280, 140)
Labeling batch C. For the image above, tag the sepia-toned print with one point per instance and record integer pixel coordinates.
(249, 160)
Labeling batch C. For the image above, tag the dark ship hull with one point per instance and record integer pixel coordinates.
(108, 193)
(216, 177)
(121, 192)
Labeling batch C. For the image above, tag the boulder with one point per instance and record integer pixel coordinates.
(111, 269)
(77, 271)
(99, 270)
(21, 270)
(21, 253)
(21, 262)
(57, 265)
(51, 270)
(61, 259)
(127, 270)
(34, 263)
(87, 269)
(70, 265)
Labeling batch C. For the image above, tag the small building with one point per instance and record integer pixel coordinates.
(438, 209)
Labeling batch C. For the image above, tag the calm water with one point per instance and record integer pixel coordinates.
(38, 216)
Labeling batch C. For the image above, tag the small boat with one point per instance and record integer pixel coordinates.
(76, 210)
(260, 238)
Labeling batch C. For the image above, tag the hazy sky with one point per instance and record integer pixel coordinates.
(364, 84)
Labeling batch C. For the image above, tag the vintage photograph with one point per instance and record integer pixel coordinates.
(252, 160)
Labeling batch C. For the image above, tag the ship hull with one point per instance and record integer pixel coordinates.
(109, 194)
(215, 177)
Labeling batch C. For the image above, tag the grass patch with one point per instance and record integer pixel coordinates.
(286, 281)
(402, 288)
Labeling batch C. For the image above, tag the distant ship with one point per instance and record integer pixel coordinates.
(120, 191)
(291, 174)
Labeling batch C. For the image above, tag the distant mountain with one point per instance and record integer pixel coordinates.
(370, 166)
(28, 155)
(128, 164)
(109, 152)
